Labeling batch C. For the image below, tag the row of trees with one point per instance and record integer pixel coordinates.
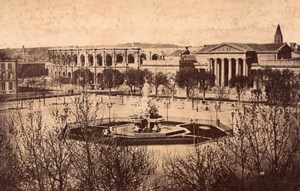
(135, 78)
(265, 82)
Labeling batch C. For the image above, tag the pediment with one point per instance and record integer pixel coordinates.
(225, 48)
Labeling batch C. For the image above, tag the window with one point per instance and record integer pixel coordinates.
(9, 66)
(3, 86)
(2, 66)
(10, 87)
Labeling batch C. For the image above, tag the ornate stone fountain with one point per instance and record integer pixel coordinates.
(146, 117)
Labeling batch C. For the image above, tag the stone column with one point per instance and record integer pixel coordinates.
(138, 57)
(245, 70)
(114, 58)
(125, 57)
(216, 72)
(94, 58)
(222, 65)
(229, 69)
(237, 67)
(104, 58)
(78, 57)
(86, 58)
(150, 56)
(209, 65)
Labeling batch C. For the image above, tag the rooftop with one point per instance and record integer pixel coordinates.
(245, 47)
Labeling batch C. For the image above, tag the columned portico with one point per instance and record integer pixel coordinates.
(226, 68)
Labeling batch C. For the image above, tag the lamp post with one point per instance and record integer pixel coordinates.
(167, 105)
(196, 121)
(232, 116)
(109, 106)
(217, 107)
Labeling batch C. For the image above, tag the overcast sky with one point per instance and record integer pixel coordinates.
(35, 23)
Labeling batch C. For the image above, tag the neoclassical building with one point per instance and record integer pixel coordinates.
(225, 60)
(232, 59)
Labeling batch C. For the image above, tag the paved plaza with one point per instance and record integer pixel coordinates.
(124, 106)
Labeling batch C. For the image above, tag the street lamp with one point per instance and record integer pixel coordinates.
(167, 105)
(232, 116)
(217, 107)
(109, 106)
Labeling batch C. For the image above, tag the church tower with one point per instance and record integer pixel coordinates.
(278, 35)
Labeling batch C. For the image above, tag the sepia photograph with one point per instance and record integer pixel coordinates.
(150, 95)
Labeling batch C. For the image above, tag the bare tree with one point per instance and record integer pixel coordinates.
(9, 166)
(43, 158)
(220, 95)
(100, 162)
(240, 83)
(266, 148)
(202, 168)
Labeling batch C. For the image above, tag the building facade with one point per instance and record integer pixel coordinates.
(65, 61)
(8, 77)
(224, 60)
(227, 60)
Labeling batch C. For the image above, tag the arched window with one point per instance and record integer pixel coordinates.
(142, 58)
(155, 57)
(130, 59)
(119, 58)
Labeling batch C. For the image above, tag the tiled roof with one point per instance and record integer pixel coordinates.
(244, 47)
(266, 47)
(188, 57)
(177, 53)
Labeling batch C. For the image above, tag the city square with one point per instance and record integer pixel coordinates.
(150, 95)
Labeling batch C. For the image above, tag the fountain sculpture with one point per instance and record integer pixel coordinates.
(146, 117)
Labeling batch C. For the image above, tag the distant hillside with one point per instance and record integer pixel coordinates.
(37, 54)
(40, 54)
(148, 45)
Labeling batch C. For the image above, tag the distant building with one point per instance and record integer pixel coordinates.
(225, 60)
(8, 76)
(32, 69)
(232, 59)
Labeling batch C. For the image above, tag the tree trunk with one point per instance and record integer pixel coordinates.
(156, 89)
(109, 93)
(130, 90)
(203, 95)
(187, 93)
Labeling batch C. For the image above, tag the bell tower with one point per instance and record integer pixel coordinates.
(278, 36)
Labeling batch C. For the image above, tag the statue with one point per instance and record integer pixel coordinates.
(146, 90)
(146, 115)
